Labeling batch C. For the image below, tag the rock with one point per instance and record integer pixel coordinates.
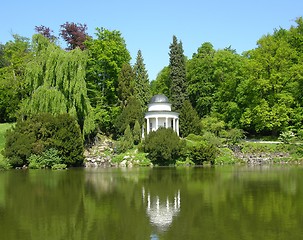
(123, 163)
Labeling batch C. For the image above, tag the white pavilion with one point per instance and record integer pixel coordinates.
(159, 114)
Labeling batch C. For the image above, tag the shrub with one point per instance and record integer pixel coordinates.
(47, 159)
(137, 133)
(126, 142)
(163, 146)
(59, 166)
(186, 163)
(203, 152)
(287, 137)
(42, 132)
(234, 135)
(225, 156)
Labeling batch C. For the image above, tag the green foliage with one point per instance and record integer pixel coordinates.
(59, 166)
(186, 163)
(128, 137)
(56, 83)
(234, 135)
(107, 54)
(287, 137)
(126, 142)
(15, 56)
(104, 116)
(201, 80)
(137, 133)
(46, 159)
(41, 133)
(225, 156)
(126, 83)
(203, 152)
(212, 139)
(162, 84)
(213, 125)
(177, 74)
(142, 88)
(163, 146)
(130, 114)
(189, 120)
(3, 128)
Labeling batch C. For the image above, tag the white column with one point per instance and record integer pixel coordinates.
(156, 123)
(177, 126)
(166, 122)
(147, 125)
(174, 124)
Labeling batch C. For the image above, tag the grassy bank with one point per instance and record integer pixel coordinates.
(3, 128)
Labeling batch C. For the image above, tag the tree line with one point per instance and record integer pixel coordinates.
(92, 80)
(258, 91)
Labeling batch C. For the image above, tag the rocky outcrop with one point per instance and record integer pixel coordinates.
(100, 154)
(258, 158)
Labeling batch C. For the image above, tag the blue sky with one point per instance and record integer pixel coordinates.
(150, 25)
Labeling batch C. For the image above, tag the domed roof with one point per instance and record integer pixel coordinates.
(159, 98)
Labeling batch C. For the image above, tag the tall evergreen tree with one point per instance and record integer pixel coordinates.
(177, 74)
(142, 88)
(189, 120)
(125, 83)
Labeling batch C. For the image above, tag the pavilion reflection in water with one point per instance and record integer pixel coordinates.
(161, 212)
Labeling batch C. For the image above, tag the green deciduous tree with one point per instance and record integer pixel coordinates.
(56, 83)
(14, 57)
(162, 84)
(107, 54)
(201, 81)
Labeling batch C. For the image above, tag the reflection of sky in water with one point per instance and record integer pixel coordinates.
(161, 212)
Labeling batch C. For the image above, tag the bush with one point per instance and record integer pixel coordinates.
(234, 135)
(225, 156)
(203, 152)
(126, 142)
(47, 159)
(163, 146)
(59, 166)
(287, 137)
(41, 133)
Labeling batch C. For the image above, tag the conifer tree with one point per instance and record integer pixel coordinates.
(128, 138)
(137, 132)
(142, 88)
(189, 120)
(177, 74)
(125, 83)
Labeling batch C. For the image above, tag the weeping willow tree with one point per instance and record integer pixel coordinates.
(56, 83)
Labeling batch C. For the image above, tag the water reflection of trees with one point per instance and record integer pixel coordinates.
(107, 204)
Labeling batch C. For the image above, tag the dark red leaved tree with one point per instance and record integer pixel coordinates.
(74, 35)
(46, 32)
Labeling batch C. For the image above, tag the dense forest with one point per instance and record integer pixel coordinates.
(258, 92)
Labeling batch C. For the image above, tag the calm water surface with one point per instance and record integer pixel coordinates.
(159, 203)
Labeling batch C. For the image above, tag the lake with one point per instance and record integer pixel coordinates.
(229, 202)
